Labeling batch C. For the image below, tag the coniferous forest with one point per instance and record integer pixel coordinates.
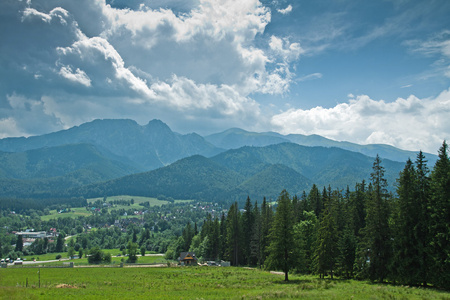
(364, 233)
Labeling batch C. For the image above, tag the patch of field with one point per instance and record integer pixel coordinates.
(190, 283)
(75, 212)
(137, 200)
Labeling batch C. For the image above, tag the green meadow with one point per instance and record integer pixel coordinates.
(75, 212)
(82, 211)
(189, 283)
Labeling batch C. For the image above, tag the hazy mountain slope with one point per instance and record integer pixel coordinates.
(237, 138)
(255, 171)
(270, 182)
(61, 160)
(151, 146)
(195, 177)
(321, 165)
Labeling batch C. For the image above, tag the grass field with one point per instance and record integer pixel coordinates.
(77, 211)
(81, 211)
(189, 283)
(137, 200)
(116, 260)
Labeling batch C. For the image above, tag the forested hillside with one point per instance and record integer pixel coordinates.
(248, 171)
(363, 233)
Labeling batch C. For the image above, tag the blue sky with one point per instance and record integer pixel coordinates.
(360, 71)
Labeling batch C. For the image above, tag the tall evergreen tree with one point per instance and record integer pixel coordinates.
(266, 224)
(282, 248)
(326, 248)
(59, 243)
(223, 236)
(306, 231)
(19, 243)
(407, 262)
(423, 222)
(440, 218)
(255, 246)
(376, 232)
(234, 235)
(247, 229)
(315, 200)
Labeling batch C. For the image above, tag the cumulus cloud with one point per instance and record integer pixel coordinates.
(78, 76)
(410, 123)
(286, 10)
(127, 60)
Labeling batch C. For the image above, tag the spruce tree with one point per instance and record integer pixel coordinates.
(306, 231)
(234, 235)
(376, 234)
(247, 228)
(255, 245)
(19, 243)
(315, 200)
(407, 258)
(326, 248)
(266, 224)
(282, 249)
(423, 222)
(440, 219)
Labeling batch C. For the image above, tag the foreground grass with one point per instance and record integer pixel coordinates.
(190, 283)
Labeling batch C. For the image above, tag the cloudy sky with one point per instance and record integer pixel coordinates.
(360, 71)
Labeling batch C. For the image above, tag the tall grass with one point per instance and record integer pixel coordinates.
(190, 283)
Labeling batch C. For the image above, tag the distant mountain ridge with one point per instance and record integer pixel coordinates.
(235, 138)
(150, 146)
(248, 171)
(120, 156)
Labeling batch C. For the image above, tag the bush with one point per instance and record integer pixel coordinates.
(97, 256)
(58, 256)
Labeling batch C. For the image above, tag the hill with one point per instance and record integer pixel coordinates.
(236, 138)
(47, 170)
(148, 147)
(256, 171)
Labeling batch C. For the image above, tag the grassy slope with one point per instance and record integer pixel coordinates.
(81, 211)
(190, 283)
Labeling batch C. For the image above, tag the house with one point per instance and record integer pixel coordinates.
(187, 259)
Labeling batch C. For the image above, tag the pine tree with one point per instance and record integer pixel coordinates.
(282, 245)
(376, 233)
(347, 253)
(407, 260)
(19, 244)
(440, 218)
(315, 200)
(266, 224)
(423, 222)
(255, 245)
(59, 243)
(247, 228)
(326, 249)
(223, 237)
(234, 235)
(306, 231)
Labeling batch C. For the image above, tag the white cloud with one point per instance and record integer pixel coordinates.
(286, 10)
(410, 123)
(78, 76)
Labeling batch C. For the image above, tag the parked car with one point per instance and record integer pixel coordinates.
(18, 262)
(3, 261)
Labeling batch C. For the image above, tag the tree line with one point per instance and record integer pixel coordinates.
(367, 233)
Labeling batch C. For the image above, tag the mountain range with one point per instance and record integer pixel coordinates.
(114, 157)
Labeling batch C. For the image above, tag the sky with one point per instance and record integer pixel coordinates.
(359, 71)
